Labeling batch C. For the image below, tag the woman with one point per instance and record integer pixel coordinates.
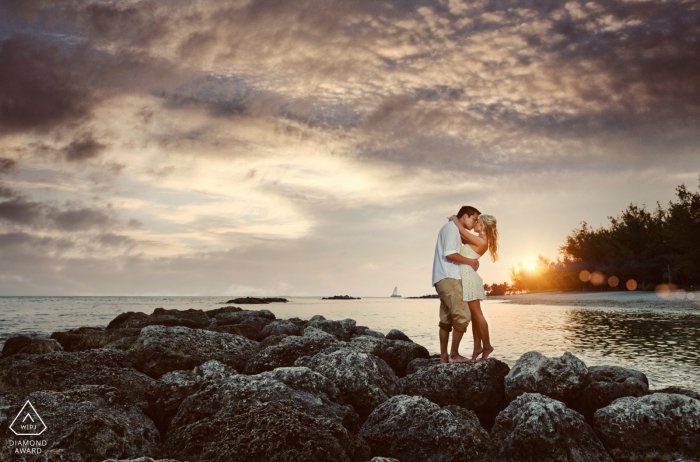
(472, 284)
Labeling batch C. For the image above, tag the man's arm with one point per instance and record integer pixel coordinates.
(462, 260)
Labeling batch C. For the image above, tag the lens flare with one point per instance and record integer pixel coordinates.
(597, 278)
(680, 294)
(691, 296)
(631, 284)
(613, 281)
(584, 276)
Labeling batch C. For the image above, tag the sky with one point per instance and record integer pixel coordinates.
(317, 147)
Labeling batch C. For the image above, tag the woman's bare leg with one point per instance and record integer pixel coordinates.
(478, 349)
(482, 327)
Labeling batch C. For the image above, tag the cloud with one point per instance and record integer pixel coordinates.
(46, 215)
(7, 165)
(83, 148)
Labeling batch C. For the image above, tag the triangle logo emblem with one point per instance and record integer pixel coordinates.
(28, 422)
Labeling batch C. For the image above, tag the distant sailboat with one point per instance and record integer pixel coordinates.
(395, 294)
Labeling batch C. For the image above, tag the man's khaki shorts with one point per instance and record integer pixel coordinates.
(454, 311)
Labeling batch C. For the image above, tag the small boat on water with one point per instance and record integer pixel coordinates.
(395, 294)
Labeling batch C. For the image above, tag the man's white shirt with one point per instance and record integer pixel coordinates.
(448, 242)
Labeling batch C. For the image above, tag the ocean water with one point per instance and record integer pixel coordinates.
(662, 343)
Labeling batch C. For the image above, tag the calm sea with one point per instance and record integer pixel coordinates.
(662, 343)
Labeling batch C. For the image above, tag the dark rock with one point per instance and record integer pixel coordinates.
(396, 353)
(272, 340)
(659, 426)
(298, 322)
(238, 317)
(224, 309)
(281, 327)
(364, 330)
(161, 349)
(384, 459)
(249, 327)
(606, 384)
(194, 319)
(141, 459)
(420, 363)
(257, 301)
(87, 338)
(395, 334)
(342, 330)
(29, 346)
(478, 387)
(175, 386)
(411, 428)
(87, 423)
(8, 402)
(278, 430)
(364, 380)
(561, 378)
(289, 349)
(536, 428)
(679, 391)
(63, 370)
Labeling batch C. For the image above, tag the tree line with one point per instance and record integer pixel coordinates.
(639, 249)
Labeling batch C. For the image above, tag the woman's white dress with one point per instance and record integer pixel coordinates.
(472, 284)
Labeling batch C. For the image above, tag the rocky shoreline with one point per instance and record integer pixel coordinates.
(240, 385)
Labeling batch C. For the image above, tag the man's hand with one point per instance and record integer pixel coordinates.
(462, 260)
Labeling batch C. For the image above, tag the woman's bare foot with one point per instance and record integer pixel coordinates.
(460, 359)
(487, 352)
(476, 353)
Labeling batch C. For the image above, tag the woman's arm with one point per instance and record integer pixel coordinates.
(467, 237)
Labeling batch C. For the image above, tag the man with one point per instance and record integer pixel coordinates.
(454, 311)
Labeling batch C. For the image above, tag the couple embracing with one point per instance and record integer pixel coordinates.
(459, 286)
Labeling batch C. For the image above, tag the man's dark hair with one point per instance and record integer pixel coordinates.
(467, 210)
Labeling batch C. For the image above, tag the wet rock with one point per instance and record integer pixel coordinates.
(536, 428)
(257, 301)
(29, 346)
(395, 334)
(174, 387)
(364, 330)
(141, 459)
(411, 428)
(384, 459)
(396, 353)
(478, 387)
(280, 428)
(250, 327)
(420, 363)
(238, 317)
(193, 319)
(659, 426)
(88, 423)
(8, 402)
(161, 349)
(561, 378)
(341, 330)
(606, 384)
(679, 391)
(364, 380)
(88, 338)
(281, 327)
(224, 309)
(63, 370)
(289, 349)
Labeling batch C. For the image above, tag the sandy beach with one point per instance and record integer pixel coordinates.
(634, 300)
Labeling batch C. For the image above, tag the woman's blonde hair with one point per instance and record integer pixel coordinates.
(491, 231)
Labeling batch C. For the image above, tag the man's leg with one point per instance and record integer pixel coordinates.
(445, 322)
(460, 320)
(444, 337)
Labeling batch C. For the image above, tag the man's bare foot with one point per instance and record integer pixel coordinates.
(459, 359)
(444, 359)
(487, 352)
(476, 353)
